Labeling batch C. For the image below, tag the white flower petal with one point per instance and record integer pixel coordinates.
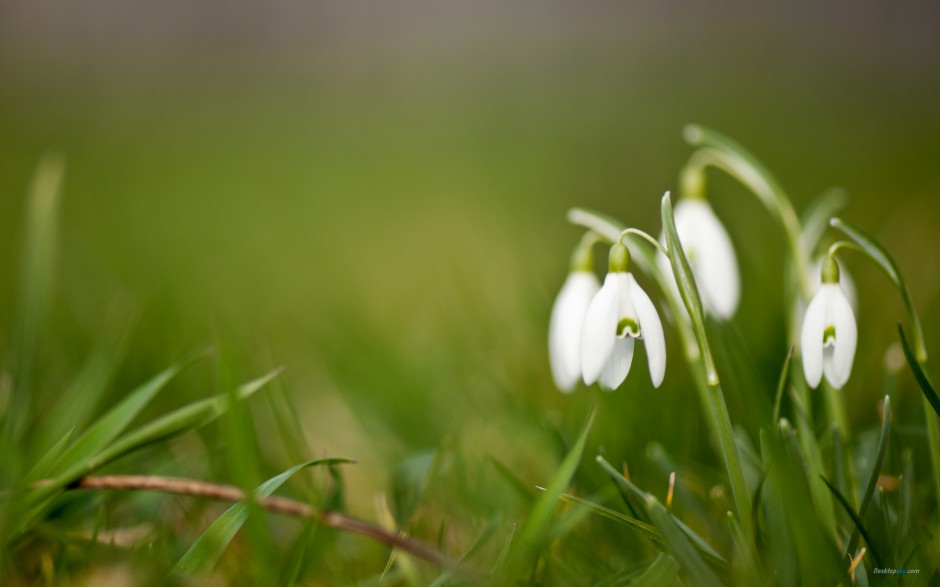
(599, 330)
(617, 367)
(651, 328)
(711, 256)
(843, 354)
(811, 338)
(564, 331)
(716, 268)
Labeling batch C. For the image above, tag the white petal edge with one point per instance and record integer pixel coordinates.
(618, 365)
(652, 330)
(843, 319)
(599, 330)
(811, 338)
(564, 332)
(712, 257)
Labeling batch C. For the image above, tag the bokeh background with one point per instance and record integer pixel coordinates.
(373, 194)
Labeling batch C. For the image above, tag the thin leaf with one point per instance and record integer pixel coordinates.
(206, 550)
(532, 534)
(184, 419)
(635, 491)
(919, 374)
(873, 478)
(48, 460)
(929, 562)
(748, 556)
(664, 572)
(680, 546)
(81, 400)
(478, 544)
(523, 489)
(789, 498)
(113, 422)
(782, 559)
(809, 453)
(883, 259)
(35, 286)
(859, 526)
(781, 386)
(648, 530)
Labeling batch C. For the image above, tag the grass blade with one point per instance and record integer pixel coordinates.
(47, 461)
(664, 572)
(919, 374)
(110, 425)
(787, 495)
(873, 478)
(635, 491)
(206, 550)
(873, 249)
(680, 546)
(859, 526)
(532, 534)
(782, 385)
(647, 530)
(35, 286)
(182, 420)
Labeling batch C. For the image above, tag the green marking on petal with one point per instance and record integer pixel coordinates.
(628, 327)
(829, 334)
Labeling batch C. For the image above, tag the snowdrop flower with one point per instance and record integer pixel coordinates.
(564, 330)
(620, 313)
(708, 247)
(815, 279)
(829, 332)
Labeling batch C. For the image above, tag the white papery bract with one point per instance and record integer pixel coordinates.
(711, 255)
(564, 329)
(620, 313)
(829, 337)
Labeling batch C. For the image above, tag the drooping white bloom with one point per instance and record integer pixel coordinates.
(620, 313)
(845, 282)
(564, 330)
(829, 332)
(711, 255)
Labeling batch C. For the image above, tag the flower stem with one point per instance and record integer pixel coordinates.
(870, 248)
(722, 153)
(711, 396)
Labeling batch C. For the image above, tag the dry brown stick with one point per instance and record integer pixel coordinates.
(281, 505)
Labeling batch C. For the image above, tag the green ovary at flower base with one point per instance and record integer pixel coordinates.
(620, 313)
(829, 333)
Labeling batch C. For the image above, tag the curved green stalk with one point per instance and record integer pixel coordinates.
(873, 250)
(718, 407)
(710, 396)
(723, 153)
(866, 244)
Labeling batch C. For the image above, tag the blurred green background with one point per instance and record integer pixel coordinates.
(373, 194)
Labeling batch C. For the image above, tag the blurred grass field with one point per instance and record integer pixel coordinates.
(383, 214)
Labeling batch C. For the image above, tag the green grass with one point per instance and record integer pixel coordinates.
(398, 253)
